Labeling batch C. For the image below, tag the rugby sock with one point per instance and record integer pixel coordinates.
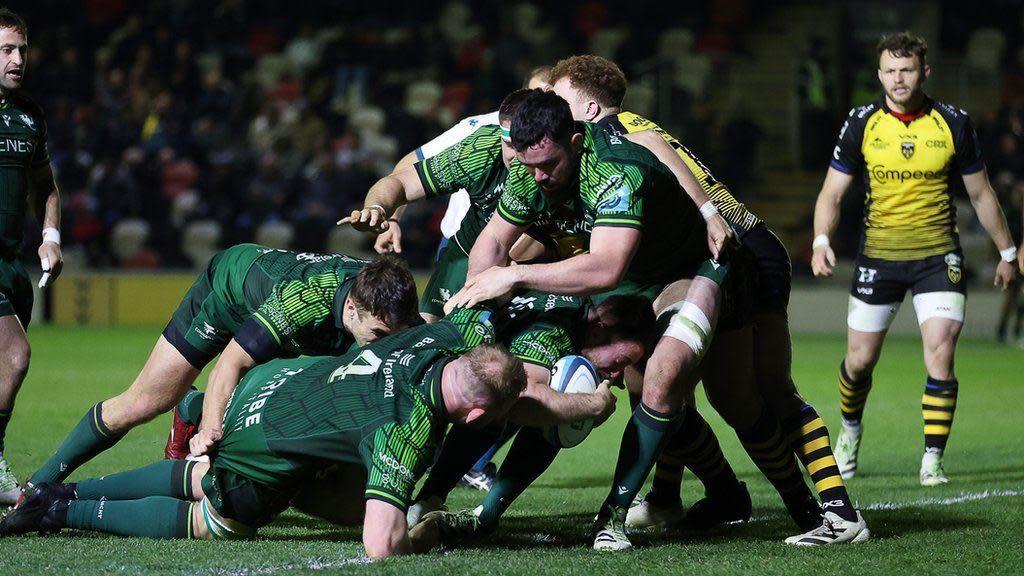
(527, 458)
(190, 409)
(153, 517)
(5, 418)
(696, 447)
(937, 406)
(645, 436)
(767, 448)
(86, 440)
(461, 448)
(808, 437)
(164, 478)
(852, 396)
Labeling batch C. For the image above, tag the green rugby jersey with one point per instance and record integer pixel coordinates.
(620, 184)
(294, 302)
(22, 150)
(539, 328)
(473, 164)
(379, 405)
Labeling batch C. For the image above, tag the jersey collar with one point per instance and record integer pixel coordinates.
(926, 107)
(435, 398)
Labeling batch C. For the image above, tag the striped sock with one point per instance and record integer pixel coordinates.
(852, 395)
(765, 445)
(808, 437)
(696, 447)
(937, 406)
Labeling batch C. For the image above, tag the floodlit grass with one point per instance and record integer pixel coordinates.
(970, 526)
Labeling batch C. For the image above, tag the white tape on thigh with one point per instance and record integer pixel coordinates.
(940, 305)
(864, 317)
(690, 326)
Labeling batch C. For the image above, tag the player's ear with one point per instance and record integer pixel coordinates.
(927, 70)
(593, 110)
(576, 143)
(474, 414)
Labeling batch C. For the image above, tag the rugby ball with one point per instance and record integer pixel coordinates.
(572, 375)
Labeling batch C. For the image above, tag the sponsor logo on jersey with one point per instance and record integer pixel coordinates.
(16, 146)
(865, 291)
(953, 259)
(446, 294)
(881, 174)
(617, 197)
(879, 144)
(207, 332)
(908, 149)
(390, 462)
(936, 144)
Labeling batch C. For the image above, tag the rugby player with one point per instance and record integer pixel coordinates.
(251, 304)
(390, 240)
(595, 87)
(641, 234)
(385, 406)
(539, 329)
(909, 148)
(26, 173)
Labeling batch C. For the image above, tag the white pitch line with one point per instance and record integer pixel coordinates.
(963, 497)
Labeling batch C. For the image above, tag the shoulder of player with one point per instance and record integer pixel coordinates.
(26, 104)
(955, 117)
(473, 122)
(859, 115)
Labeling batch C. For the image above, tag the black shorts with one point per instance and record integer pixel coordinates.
(774, 269)
(878, 281)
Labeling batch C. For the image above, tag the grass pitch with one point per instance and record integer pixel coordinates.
(971, 526)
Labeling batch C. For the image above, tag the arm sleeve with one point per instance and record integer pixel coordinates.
(461, 164)
(396, 455)
(847, 156)
(621, 200)
(542, 343)
(474, 325)
(520, 201)
(967, 148)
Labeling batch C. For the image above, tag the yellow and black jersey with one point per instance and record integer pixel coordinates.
(907, 162)
(734, 212)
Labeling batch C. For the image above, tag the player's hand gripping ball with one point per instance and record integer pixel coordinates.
(572, 375)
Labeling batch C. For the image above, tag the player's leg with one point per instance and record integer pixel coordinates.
(447, 278)
(875, 295)
(731, 386)
(668, 376)
(15, 314)
(13, 367)
(156, 501)
(162, 382)
(806, 432)
(939, 301)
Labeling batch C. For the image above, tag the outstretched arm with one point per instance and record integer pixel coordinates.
(47, 207)
(233, 363)
(384, 198)
(540, 406)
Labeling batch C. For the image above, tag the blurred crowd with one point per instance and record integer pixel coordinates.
(179, 127)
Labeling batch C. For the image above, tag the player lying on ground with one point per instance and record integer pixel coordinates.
(385, 405)
(26, 174)
(595, 87)
(251, 304)
(645, 235)
(909, 148)
(614, 334)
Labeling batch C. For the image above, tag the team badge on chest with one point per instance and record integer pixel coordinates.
(908, 149)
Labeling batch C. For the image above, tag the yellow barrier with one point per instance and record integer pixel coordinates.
(125, 299)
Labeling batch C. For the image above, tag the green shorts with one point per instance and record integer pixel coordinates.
(15, 290)
(214, 307)
(247, 481)
(449, 277)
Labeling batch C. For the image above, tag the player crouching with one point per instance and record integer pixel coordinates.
(385, 406)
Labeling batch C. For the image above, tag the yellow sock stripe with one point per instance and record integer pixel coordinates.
(187, 476)
(98, 422)
(829, 482)
(811, 426)
(820, 463)
(937, 415)
(937, 402)
(854, 392)
(816, 444)
(189, 530)
(658, 418)
(936, 429)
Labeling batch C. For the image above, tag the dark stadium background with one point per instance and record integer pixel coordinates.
(179, 127)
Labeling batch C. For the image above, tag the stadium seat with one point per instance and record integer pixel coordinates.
(276, 234)
(985, 49)
(200, 241)
(128, 238)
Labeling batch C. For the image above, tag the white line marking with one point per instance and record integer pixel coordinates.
(963, 497)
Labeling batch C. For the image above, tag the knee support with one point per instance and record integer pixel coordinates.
(690, 325)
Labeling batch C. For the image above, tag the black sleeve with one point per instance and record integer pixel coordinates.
(968, 151)
(847, 156)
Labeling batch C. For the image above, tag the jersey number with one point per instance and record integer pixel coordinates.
(363, 365)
